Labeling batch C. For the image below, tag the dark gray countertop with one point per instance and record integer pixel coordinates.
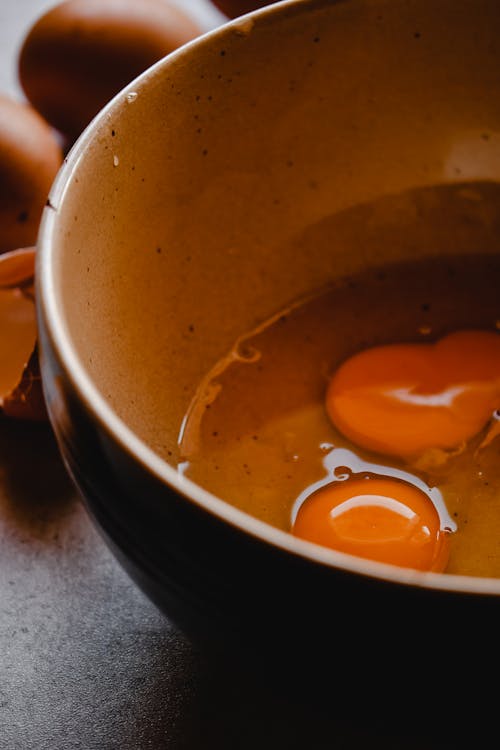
(85, 660)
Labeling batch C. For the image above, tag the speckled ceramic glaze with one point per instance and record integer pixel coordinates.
(195, 205)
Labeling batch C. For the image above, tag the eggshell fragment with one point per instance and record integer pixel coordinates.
(26, 401)
(30, 156)
(81, 53)
(21, 394)
(17, 268)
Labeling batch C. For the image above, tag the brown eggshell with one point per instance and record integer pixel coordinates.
(30, 157)
(17, 268)
(235, 8)
(21, 394)
(82, 52)
(27, 401)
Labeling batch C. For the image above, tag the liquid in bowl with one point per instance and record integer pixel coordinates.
(258, 434)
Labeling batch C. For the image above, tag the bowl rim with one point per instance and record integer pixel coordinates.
(108, 420)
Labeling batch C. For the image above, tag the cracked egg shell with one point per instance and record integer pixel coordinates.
(30, 157)
(26, 401)
(81, 53)
(21, 394)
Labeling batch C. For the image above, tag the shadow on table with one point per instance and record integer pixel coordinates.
(225, 708)
(35, 489)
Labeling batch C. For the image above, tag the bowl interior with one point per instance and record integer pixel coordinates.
(259, 163)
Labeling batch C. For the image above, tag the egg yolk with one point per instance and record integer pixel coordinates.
(379, 518)
(404, 399)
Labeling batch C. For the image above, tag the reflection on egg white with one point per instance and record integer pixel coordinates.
(340, 464)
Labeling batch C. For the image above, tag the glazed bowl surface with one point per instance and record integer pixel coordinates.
(250, 167)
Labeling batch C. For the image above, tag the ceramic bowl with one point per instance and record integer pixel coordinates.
(204, 198)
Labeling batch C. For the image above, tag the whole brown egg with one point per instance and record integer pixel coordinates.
(30, 156)
(81, 53)
(234, 8)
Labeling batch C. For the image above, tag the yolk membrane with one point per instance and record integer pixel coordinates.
(380, 518)
(404, 399)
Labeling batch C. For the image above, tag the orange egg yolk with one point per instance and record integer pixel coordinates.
(404, 399)
(379, 518)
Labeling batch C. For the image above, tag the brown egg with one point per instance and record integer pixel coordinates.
(234, 8)
(30, 157)
(82, 52)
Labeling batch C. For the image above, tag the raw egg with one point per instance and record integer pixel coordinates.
(30, 157)
(81, 53)
(415, 424)
(375, 517)
(405, 399)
